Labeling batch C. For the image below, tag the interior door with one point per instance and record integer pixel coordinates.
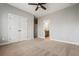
(17, 27)
(23, 28)
(13, 21)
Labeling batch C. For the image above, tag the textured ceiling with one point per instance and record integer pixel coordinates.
(51, 7)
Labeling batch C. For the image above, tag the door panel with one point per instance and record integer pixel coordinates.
(23, 28)
(13, 21)
(17, 27)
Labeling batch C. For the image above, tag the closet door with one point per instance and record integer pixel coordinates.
(23, 28)
(17, 27)
(13, 22)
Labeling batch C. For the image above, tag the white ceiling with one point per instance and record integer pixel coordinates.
(51, 7)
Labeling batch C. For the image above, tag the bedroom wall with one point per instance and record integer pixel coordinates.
(63, 26)
(0, 24)
(5, 9)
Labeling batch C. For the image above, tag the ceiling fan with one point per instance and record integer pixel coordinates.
(39, 5)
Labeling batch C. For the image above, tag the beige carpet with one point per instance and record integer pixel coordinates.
(39, 47)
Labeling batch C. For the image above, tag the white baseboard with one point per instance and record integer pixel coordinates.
(74, 43)
(68, 42)
(9, 42)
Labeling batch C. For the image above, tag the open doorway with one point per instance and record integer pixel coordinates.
(46, 29)
(35, 27)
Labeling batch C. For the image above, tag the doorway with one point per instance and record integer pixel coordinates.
(35, 27)
(46, 29)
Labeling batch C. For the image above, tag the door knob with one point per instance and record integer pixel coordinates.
(19, 30)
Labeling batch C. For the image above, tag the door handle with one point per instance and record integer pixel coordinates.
(19, 30)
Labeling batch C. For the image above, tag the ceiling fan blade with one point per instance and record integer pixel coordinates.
(36, 8)
(42, 3)
(32, 4)
(43, 7)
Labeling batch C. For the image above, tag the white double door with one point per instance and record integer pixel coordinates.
(17, 27)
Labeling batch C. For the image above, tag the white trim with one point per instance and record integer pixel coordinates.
(12, 42)
(74, 43)
(68, 42)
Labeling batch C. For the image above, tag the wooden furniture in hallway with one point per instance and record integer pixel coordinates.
(46, 33)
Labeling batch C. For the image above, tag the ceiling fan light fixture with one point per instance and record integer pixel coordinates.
(39, 5)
